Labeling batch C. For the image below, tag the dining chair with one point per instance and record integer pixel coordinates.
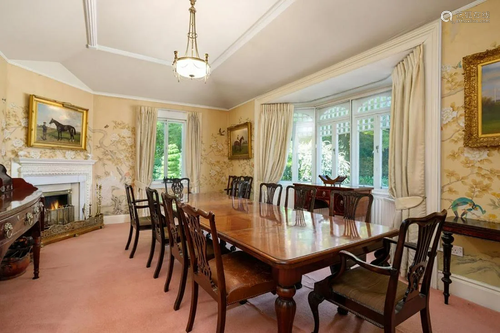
(178, 246)
(248, 190)
(177, 186)
(240, 188)
(227, 278)
(304, 199)
(357, 206)
(160, 232)
(375, 292)
(269, 190)
(229, 186)
(136, 222)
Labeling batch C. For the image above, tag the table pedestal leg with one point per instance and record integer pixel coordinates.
(285, 308)
(447, 246)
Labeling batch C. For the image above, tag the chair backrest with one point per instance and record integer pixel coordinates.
(230, 181)
(304, 198)
(197, 245)
(269, 192)
(357, 205)
(155, 213)
(177, 185)
(176, 237)
(429, 231)
(248, 191)
(132, 210)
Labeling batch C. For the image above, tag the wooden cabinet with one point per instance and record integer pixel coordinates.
(21, 212)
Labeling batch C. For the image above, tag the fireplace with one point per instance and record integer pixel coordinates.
(58, 208)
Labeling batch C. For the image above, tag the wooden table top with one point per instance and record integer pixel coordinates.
(282, 236)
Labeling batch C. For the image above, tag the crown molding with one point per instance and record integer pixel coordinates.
(90, 8)
(137, 98)
(131, 55)
(472, 4)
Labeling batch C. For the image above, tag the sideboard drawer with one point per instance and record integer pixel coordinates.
(14, 226)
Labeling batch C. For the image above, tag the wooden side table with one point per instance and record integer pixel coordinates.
(466, 227)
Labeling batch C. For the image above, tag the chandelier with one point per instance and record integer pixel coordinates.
(191, 65)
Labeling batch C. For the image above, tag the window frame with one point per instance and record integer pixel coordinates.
(171, 117)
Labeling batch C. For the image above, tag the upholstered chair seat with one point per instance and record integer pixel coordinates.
(367, 288)
(144, 220)
(245, 276)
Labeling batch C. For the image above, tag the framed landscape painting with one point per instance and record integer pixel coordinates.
(240, 141)
(56, 124)
(482, 99)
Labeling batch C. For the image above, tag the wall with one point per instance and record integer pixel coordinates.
(3, 105)
(114, 148)
(19, 85)
(242, 114)
(469, 173)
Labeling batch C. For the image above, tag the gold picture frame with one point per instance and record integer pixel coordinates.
(482, 99)
(54, 124)
(240, 141)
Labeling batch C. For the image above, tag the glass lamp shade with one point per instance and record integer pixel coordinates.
(190, 67)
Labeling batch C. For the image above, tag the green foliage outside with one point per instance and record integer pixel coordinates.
(174, 159)
(491, 116)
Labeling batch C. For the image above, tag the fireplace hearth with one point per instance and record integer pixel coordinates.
(58, 208)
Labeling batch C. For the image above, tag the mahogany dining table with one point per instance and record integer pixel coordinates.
(292, 242)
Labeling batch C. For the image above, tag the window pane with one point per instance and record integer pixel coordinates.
(373, 103)
(385, 123)
(174, 158)
(305, 151)
(344, 143)
(365, 129)
(325, 133)
(158, 167)
(336, 111)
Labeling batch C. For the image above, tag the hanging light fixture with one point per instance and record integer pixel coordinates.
(191, 65)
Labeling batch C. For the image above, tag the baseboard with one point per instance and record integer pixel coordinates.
(473, 291)
(114, 219)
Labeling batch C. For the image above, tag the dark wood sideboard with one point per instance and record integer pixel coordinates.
(467, 227)
(21, 212)
(323, 196)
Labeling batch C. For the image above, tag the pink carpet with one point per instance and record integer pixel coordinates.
(88, 284)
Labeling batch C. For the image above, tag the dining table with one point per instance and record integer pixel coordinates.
(293, 242)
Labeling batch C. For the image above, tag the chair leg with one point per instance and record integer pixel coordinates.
(134, 247)
(342, 311)
(129, 236)
(192, 311)
(182, 287)
(425, 318)
(160, 261)
(221, 316)
(169, 272)
(314, 302)
(152, 251)
(389, 329)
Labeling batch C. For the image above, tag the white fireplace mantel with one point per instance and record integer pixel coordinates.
(45, 171)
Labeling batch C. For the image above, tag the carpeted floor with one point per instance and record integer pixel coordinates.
(88, 284)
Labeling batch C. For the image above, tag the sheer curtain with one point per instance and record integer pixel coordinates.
(407, 144)
(275, 133)
(193, 150)
(145, 143)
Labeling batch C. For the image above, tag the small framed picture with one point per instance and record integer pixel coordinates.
(240, 141)
(54, 124)
(482, 99)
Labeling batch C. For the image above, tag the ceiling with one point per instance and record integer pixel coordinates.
(254, 46)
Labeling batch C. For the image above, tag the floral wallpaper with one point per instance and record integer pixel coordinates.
(214, 158)
(114, 151)
(470, 177)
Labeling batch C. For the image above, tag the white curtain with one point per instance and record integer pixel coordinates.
(193, 150)
(145, 143)
(275, 133)
(407, 144)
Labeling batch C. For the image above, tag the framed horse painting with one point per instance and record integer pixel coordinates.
(54, 124)
(240, 141)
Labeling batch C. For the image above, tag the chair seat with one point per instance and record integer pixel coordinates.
(366, 287)
(245, 276)
(144, 221)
